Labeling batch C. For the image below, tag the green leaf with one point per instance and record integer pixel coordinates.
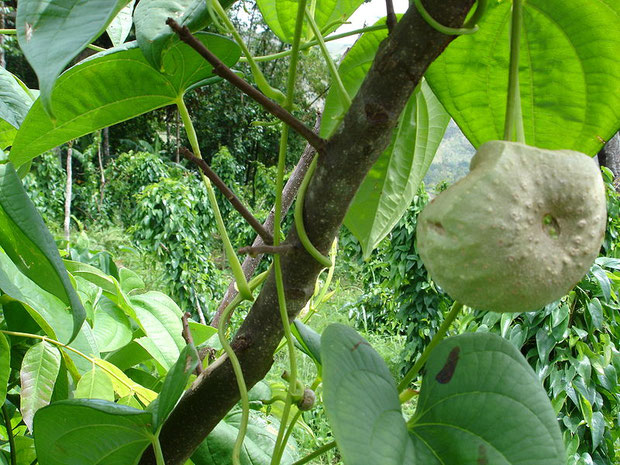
(309, 340)
(101, 91)
(597, 429)
(5, 366)
(95, 384)
(47, 310)
(27, 241)
(130, 281)
(70, 25)
(71, 432)
(120, 27)
(38, 374)
(111, 328)
(281, 16)
(480, 402)
(15, 101)
(391, 184)
(201, 333)
(161, 319)
(568, 74)
(603, 280)
(362, 401)
(174, 385)
(258, 445)
(155, 36)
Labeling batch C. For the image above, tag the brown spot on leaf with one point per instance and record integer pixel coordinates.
(482, 455)
(446, 373)
(359, 344)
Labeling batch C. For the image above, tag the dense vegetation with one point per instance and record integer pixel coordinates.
(100, 341)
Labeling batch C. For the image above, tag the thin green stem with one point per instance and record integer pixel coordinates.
(259, 77)
(233, 260)
(290, 91)
(96, 48)
(159, 454)
(234, 361)
(71, 349)
(451, 31)
(346, 99)
(290, 428)
(9, 433)
(299, 219)
(513, 127)
(320, 451)
(437, 338)
(313, 43)
(8, 32)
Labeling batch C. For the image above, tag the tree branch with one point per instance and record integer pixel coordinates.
(364, 133)
(230, 195)
(225, 72)
(391, 16)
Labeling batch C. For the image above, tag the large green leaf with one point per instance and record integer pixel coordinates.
(161, 319)
(47, 310)
(174, 385)
(5, 366)
(480, 402)
(569, 74)
(95, 384)
(102, 91)
(391, 184)
(155, 36)
(15, 101)
(281, 15)
(111, 327)
(72, 432)
(26, 239)
(38, 374)
(258, 445)
(52, 32)
(120, 27)
(362, 402)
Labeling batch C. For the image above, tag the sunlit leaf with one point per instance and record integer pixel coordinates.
(101, 91)
(38, 374)
(52, 32)
(95, 384)
(569, 74)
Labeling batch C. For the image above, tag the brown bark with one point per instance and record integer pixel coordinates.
(609, 156)
(366, 130)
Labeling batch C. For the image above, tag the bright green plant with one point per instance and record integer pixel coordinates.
(479, 402)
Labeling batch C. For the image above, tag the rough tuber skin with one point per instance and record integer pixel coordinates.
(519, 231)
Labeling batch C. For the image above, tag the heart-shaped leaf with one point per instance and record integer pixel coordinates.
(281, 16)
(15, 101)
(95, 384)
(569, 74)
(481, 402)
(174, 385)
(52, 32)
(362, 401)
(120, 27)
(38, 373)
(155, 36)
(258, 445)
(102, 91)
(71, 432)
(27, 241)
(5, 366)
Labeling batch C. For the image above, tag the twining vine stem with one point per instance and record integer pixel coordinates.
(513, 128)
(230, 195)
(290, 90)
(320, 451)
(437, 338)
(226, 73)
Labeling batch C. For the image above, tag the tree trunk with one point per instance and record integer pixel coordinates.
(609, 156)
(362, 136)
(68, 191)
